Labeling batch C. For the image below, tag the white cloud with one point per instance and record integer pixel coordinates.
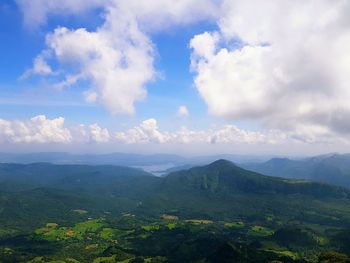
(35, 12)
(153, 14)
(117, 63)
(279, 62)
(182, 111)
(90, 134)
(98, 134)
(149, 132)
(146, 132)
(117, 58)
(40, 67)
(38, 129)
(41, 130)
(283, 63)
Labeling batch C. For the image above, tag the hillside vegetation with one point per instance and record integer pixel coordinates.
(214, 213)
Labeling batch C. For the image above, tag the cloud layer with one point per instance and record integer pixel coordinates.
(38, 129)
(279, 63)
(283, 63)
(149, 132)
(117, 58)
(42, 130)
(35, 12)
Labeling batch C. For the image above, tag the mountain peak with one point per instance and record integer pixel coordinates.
(222, 163)
(225, 177)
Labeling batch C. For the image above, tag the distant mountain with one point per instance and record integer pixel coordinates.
(41, 191)
(216, 212)
(104, 178)
(218, 190)
(157, 163)
(124, 159)
(332, 169)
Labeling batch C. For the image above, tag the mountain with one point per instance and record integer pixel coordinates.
(222, 189)
(20, 177)
(42, 191)
(158, 164)
(213, 213)
(218, 188)
(124, 159)
(221, 181)
(332, 169)
(223, 176)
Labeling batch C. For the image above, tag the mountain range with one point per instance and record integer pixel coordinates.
(218, 212)
(218, 188)
(332, 168)
(123, 159)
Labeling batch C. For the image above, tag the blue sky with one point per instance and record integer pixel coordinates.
(30, 97)
(231, 72)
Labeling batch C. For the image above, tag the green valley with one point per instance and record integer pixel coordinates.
(214, 213)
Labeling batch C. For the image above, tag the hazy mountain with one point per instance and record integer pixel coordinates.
(333, 168)
(218, 187)
(124, 159)
(214, 212)
(104, 178)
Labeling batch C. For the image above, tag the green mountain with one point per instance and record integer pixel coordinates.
(224, 177)
(19, 177)
(214, 190)
(332, 169)
(214, 213)
(222, 189)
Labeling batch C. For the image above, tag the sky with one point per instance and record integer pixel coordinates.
(187, 76)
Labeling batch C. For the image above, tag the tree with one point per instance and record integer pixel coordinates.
(333, 257)
(137, 260)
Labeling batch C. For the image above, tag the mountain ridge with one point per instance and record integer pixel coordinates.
(231, 175)
(333, 169)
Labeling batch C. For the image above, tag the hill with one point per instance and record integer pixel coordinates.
(19, 177)
(219, 188)
(332, 169)
(213, 213)
(225, 177)
(222, 189)
(124, 159)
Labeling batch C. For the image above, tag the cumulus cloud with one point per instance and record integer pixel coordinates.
(117, 63)
(41, 130)
(38, 129)
(182, 111)
(90, 134)
(146, 132)
(149, 132)
(283, 63)
(117, 58)
(279, 62)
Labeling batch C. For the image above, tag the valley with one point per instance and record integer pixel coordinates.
(213, 213)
